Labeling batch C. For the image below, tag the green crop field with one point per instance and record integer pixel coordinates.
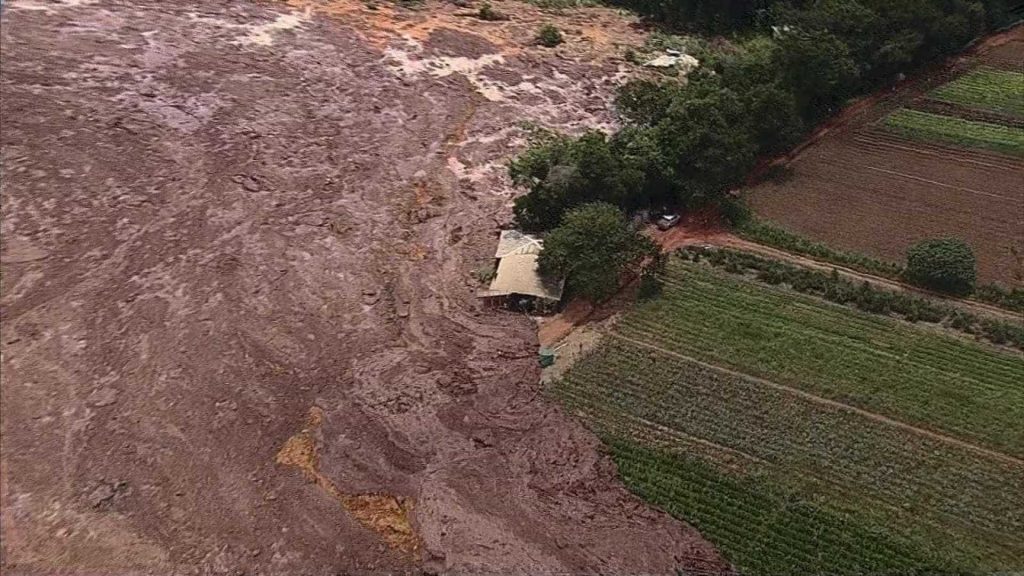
(921, 377)
(997, 90)
(826, 465)
(935, 127)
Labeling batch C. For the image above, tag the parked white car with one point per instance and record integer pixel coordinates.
(667, 221)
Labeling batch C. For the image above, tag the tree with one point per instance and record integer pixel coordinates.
(819, 69)
(563, 172)
(644, 101)
(946, 264)
(592, 248)
(704, 142)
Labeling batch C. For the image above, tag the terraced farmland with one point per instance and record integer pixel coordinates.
(986, 88)
(958, 131)
(869, 445)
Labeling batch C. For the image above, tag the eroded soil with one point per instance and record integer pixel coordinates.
(238, 321)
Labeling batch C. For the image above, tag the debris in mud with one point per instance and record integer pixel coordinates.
(103, 495)
(247, 182)
(371, 296)
(385, 514)
(683, 63)
(103, 397)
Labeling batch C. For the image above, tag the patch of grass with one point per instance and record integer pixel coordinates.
(769, 234)
(789, 485)
(761, 527)
(935, 127)
(485, 274)
(863, 296)
(998, 296)
(997, 90)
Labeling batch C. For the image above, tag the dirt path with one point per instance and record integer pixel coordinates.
(832, 403)
(681, 236)
(221, 219)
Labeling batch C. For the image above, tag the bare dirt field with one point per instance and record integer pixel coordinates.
(238, 326)
(862, 189)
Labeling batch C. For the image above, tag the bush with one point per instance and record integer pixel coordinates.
(947, 265)
(549, 36)
(650, 285)
(488, 13)
(999, 296)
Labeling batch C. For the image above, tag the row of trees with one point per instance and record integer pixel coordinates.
(789, 65)
(688, 143)
(723, 16)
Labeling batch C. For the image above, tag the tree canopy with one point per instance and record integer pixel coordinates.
(592, 248)
(791, 64)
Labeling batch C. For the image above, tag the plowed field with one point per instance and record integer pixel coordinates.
(867, 189)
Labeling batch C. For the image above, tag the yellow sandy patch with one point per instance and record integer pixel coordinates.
(385, 514)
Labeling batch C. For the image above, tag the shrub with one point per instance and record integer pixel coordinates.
(549, 36)
(999, 296)
(488, 13)
(650, 285)
(947, 265)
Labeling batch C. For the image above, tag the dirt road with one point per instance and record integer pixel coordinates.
(681, 236)
(238, 327)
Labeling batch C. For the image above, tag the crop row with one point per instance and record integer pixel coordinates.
(980, 365)
(762, 530)
(922, 377)
(936, 127)
(778, 427)
(939, 493)
(985, 88)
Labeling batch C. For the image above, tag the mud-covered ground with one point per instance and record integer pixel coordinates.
(238, 318)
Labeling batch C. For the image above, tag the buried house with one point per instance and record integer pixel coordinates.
(517, 283)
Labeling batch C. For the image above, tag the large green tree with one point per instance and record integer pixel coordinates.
(562, 172)
(592, 249)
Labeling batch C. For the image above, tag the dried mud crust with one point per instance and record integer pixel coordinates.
(239, 331)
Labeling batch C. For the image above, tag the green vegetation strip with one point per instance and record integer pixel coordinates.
(922, 377)
(783, 484)
(769, 234)
(926, 126)
(864, 296)
(997, 90)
